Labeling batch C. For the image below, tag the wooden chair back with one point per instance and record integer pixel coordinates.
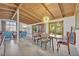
(75, 38)
(68, 38)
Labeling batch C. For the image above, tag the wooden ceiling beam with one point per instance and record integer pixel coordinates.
(26, 18)
(24, 22)
(10, 5)
(60, 9)
(6, 13)
(30, 14)
(21, 13)
(22, 17)
(16, 11)
(4, 17)
(47, 9)
(6, 9)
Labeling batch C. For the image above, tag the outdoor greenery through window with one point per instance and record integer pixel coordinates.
(34, 29)
(56, 28)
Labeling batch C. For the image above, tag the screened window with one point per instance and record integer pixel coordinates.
(10, 25)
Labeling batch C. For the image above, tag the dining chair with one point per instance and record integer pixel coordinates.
(44, 39)
(36, 37)
(67, 42)
(23, 35)
(7, 35)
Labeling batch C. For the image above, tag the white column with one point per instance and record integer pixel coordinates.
(47, 27)
(17, 25)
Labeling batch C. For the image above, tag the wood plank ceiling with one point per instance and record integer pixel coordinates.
(34, 12)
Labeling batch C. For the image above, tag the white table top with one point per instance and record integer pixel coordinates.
(57, 36)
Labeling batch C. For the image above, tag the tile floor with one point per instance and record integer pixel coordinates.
(30, 48)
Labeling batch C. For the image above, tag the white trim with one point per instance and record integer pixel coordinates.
(55, 20)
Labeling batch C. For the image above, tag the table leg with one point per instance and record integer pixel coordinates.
(45, 45)
(34, 39)
(4, 47)
(41, 44)
(52, 44)
(37, 41)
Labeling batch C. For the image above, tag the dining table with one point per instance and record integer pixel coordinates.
(52, 37)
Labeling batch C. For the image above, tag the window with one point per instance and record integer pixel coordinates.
(59, 28)
(34, 28)
(11, 25)
(56, 28)
(52, 28)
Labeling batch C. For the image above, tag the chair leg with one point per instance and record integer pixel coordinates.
(37, 42)
(4, 48)
(50, 43)
(69, 50)
(41, 44)
(45, 45)
(58, 46)
(34, 39)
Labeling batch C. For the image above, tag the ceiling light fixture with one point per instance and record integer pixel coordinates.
(46, 19)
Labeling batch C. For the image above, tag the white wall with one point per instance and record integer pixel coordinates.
(68, 22)
(77, 39)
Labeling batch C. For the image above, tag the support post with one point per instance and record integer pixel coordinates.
(17, 25)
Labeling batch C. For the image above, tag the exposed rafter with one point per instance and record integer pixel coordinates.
(30, 14)
(47, 9)
(16, 11)
(7, 9)
(6, 13)
(26, 16)
(10, 5)
(25, 21)
(35, 12)
(60, 9)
